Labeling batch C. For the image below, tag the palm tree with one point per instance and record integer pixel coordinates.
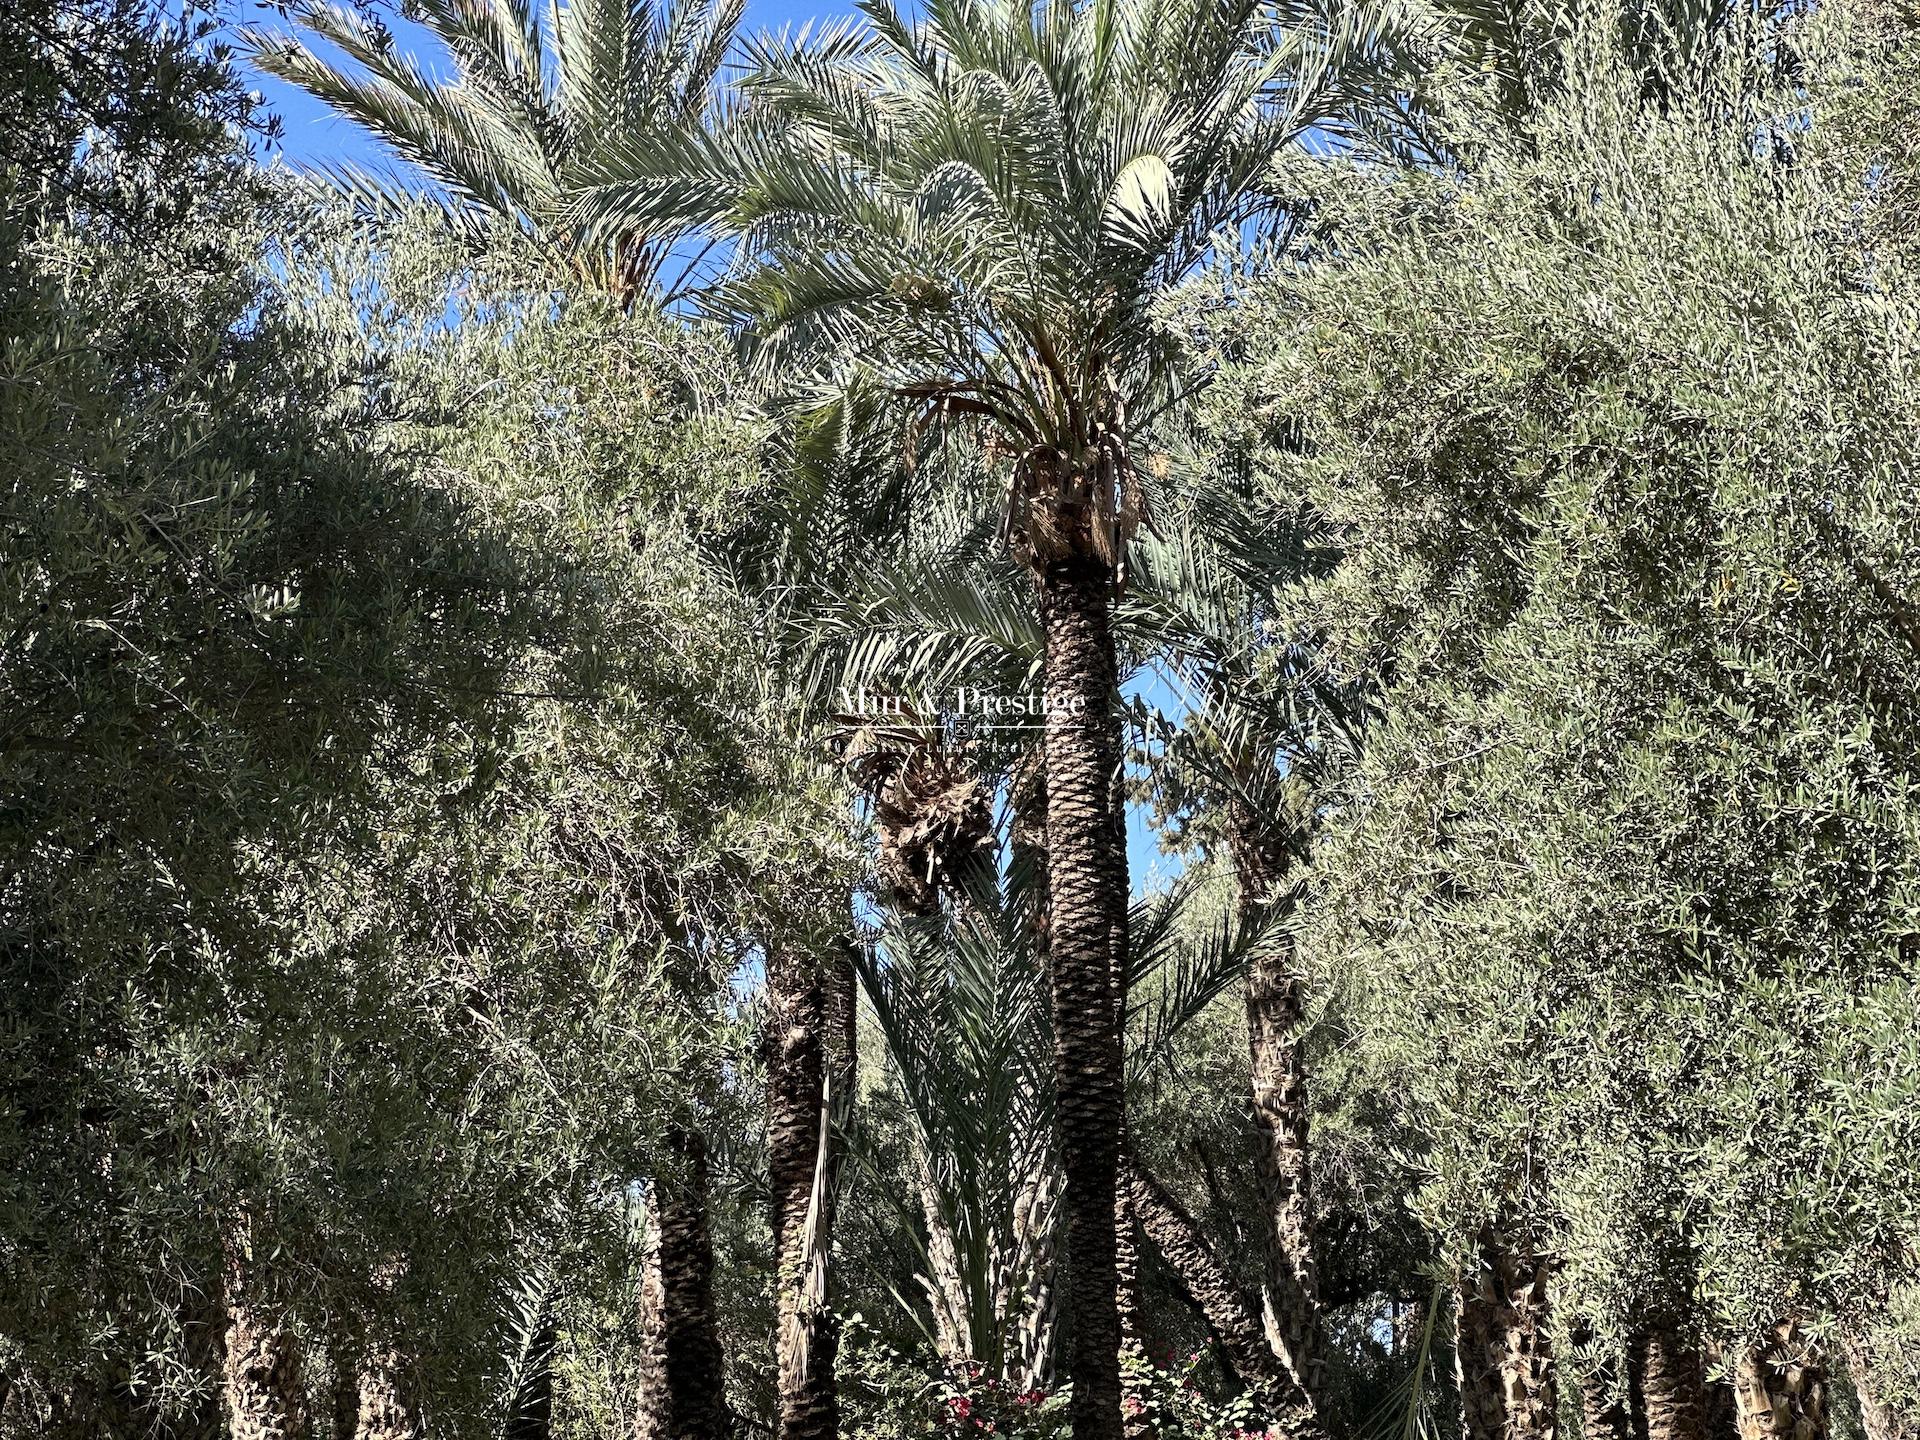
(980, 209)
(532, 104)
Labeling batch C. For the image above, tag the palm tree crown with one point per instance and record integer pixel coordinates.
(982, 207)
(535, 100)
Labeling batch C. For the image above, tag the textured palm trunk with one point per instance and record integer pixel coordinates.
(1603, 1407)
(1503, 1354)
(1087, 884)
(1669, 1385)
(1878, 1418)
(1035, 1321)
(1720, 1421)
(798, 1161)
(1780, 1387)
(1038, 1184)
(946, 1287)
(683, 1382)
(1280, 1112)
(1233, 1316)
(384, 1409)
(265, 1397)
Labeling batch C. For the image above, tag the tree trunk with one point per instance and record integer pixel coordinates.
(1669, 1385)
(1233, 1317)
(1503, 1356)
(265, 1397)
(1720, 1421)
(1037, 1185)
(1780, 1387)
(1087, 883)
(683, 1381)
(1280, 1109)
(1604, 1407)
(385, 1410)
(1877, 1416)
(1136, 1419)
(946, 1287)
(798, 1163)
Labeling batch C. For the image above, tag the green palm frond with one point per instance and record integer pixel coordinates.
(1178, 967)
(982, 200)
(535, 97)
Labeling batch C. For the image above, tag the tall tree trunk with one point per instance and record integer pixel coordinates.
(377, 1400)
(1604, 1405)
(798, 1161)
(1037, 1183)
(1280, 1108)
(265, 1397)
(1087, 883)
(1780, 1387)
(385, 1409)
(1135, 1411)
(1878, 1418)
(1503, 1355)
(1669, 1385)
(683, 1381)
(1720, 1422)
(946, 1287)
(1233, 1316)
(1136, 1418)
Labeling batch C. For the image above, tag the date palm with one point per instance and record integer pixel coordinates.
(535, 99)
(978, 210)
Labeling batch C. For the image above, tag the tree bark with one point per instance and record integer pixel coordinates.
(1878, 1418)
(798, 1161)
(1087, 882)
(1232, 1315)
(1604, 1405)
(385, 1410)
(1503, 1354)
(1038, 1185)
(946, 1288)
(1669, 1385)
(1280, 1109)
(1780, 1387)
(683, 1381)
(264, 1394)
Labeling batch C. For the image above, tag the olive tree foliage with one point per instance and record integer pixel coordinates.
(1614, 428)
(373, 748)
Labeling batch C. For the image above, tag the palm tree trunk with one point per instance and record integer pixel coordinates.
(946, 1287)
(265, 1398)
(1233, 1317)
(1280, 1110)
(798, 1127)
(1877, 1416)
(1037, 1185)
(1780, 1387)
(1087, 883)
(1604, 1411)
(1502, 1351)
(1669, 1385)
(384, 1410)
(1136, 1418)
(683, 1381)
